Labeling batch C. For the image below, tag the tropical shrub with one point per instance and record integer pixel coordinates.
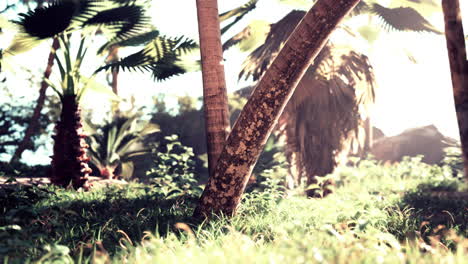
(114, 144)
(173, 170)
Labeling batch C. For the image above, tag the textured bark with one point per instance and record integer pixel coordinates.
(69, 162)
(214, 84)
(459, 70)
(223, 191)
(34, 123)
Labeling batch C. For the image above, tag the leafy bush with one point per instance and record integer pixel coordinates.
(454, 160)
(174, 167)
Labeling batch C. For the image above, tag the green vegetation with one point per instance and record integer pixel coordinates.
(409, 213)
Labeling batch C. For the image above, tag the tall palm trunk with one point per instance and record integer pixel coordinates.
(459, 70)
(214, 84)
(34, 123)
(69, 162)
(224, 189)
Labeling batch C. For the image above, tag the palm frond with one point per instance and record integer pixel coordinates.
(159, 57)
(48, 21)
(238, 12)
(118, 140)
(325, 112)
(403, 19)
(259, 60)
(138, 40)
(361, 8)
(250, 37)
(123, 21)
(163, 70)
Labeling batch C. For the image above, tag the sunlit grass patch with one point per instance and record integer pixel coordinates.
(409, 213)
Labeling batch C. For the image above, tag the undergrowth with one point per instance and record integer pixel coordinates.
(407, 213)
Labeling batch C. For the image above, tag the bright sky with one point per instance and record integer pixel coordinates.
(408, 94)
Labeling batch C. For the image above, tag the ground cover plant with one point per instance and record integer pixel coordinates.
(408, 213)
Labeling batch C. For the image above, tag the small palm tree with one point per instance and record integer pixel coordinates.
(123, 21)
(113, 145)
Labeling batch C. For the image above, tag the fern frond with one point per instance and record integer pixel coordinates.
(403, 19)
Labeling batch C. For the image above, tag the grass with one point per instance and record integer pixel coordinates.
(409, 213)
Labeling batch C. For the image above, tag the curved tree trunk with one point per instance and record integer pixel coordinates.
(459, 70)
(69, 162)
(214, 84)
(223, 191)
(34, 123)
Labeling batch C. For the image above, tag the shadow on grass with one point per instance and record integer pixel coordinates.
(33, 217)
(444, 204)
(432, 212)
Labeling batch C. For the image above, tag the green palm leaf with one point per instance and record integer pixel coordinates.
(238, 12)
(138, 40)
(123, 21)
(158, 57)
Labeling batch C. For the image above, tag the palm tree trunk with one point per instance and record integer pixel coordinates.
(214, 84)
(69, 162)
(113, 57)
(459, 70)
(223, 191)
(34, 123)
(369, 136)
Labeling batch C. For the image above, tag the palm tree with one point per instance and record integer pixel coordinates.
(459, 70)
(324, 113)
(33, 124)
(224, 189)
(124, 21)
(339, 81)
(214, 83)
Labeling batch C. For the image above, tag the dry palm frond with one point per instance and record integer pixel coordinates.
(259, 60)
(324, 113)
(403, 19)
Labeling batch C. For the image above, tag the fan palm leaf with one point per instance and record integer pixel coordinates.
(63, 16)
